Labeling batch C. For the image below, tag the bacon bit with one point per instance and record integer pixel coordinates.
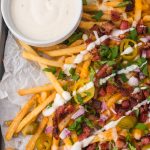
(61, 113)
(91, 147)
(86, 132)
(88, 41)
(148, 54)
(145, 140)
(126, 104)
(111, 89)
(104, 146)
(146, 93)
(141, 29)
(107, 27)
(138, 96)
(143, 117)
(96, 28)
(115, 16)
(133, 102)
(124, 25)
(102, 92)
(130, 7)
(121, 142)
(104, 71)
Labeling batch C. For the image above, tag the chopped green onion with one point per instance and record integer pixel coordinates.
(98, 15)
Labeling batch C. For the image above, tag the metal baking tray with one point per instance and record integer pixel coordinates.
(3, 36)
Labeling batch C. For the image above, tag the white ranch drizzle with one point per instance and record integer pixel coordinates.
(119, 32)
(127, 51)
(58, 101)
(122, 71)
(138, 106)
(67, 68)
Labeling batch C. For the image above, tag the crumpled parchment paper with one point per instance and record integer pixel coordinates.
(19, 73)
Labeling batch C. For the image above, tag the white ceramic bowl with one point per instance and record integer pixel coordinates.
(5, 8)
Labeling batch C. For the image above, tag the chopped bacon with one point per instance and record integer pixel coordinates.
(110, 89)
(126, 104)
(146, 93)
(119, 110)
(138, 96)
(95, 54)
(107, 27)
(133, 102)
(91, 147)
(86, 132)
(148, 54)
(143, 117)
(141, 29)
(104, 71)
(115, 15)
(60, 114)
(124, 25)
(104, 146)
(145, 140)
(96, 28)
(102, 92)
(121, 142)
(88, 41)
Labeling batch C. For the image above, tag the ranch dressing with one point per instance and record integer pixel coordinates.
(44, 19)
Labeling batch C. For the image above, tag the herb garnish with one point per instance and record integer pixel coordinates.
(74, 76)
(61, 75)
(50, 69)
(98, 15)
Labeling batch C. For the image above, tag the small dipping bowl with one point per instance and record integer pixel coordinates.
(6, 13)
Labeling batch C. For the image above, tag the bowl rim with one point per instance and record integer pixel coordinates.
(43, 43)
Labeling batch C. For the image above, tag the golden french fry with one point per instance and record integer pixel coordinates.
(12, 128)
(113, 99)
(87, 17)
(44, 95)
(32, 142)
(35, 112)
(67, 51)
(64, 122)
(74, 137)
(39, 89)
(55, 47)
(67, 142)
(77, 43)
(55, 144)
(85, 69)
(41, 60)
(90, 8)
(146, 18)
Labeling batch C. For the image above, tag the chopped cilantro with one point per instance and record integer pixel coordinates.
(109, 53)
(141, 126)
(133, 35)
(98, 15)
(92, 73)
(124, 78)
(74, 76)
(110, 62)
(76, 36)
(49, 106)
(114, 51)
(124, 3)
(65, 87)
(79, 98)
(131, 147)
(61, 75)
(89, 123)
(50, 69)
(84, 2)
(89, 109)
(148, 98)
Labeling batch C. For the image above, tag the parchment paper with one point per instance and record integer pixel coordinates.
(19, 73)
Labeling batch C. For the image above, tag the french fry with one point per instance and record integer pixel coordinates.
(146, 18)
(90, 8)
(64, 122)
(138, 11)
(50, 124)
(9, 148)
(35, 112)
(55, 47)
(74, 137)
(67, 142)
(113, 99)
(55, 144)
(85, 69)
(39, 89)
(32, 142)
(41, 60)
(12, 128)
(88, 25)
(44, 96)
(87, 17)
(67, 51)
(77, 43)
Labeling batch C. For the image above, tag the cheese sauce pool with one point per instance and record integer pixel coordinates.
(44, 19)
